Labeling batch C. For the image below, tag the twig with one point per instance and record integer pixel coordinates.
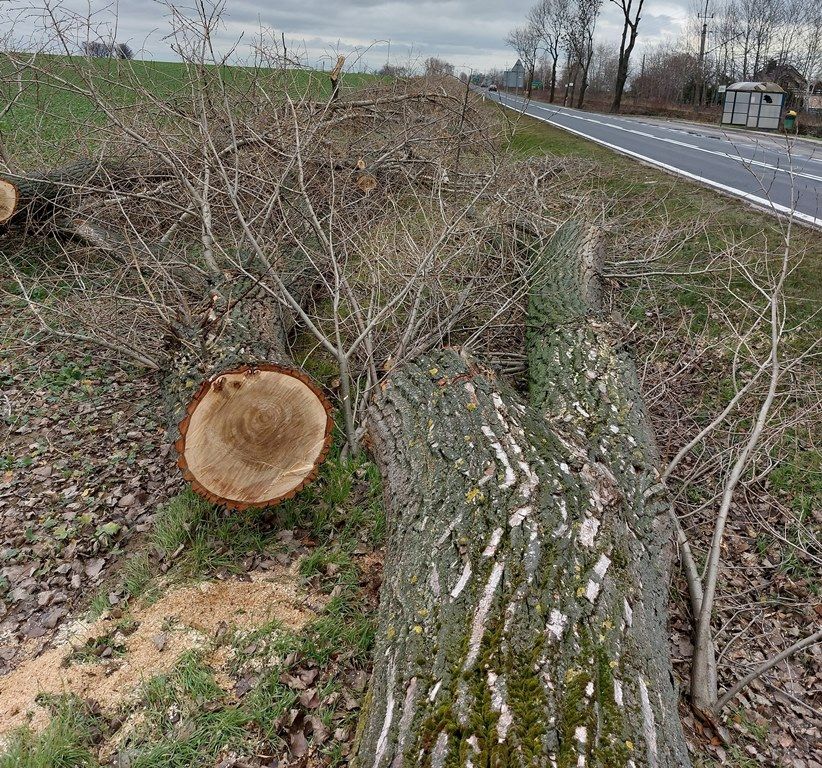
(765, 666)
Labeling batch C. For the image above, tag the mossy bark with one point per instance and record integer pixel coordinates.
(523, 609)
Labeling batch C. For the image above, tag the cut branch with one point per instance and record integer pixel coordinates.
(731, 693)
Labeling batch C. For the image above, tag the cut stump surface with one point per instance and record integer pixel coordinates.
(8, 200)
(254, 436)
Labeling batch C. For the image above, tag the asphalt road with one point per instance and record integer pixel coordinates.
(759, 168)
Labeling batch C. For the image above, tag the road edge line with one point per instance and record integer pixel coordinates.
(761, 203)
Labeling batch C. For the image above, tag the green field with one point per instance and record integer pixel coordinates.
(52, 110)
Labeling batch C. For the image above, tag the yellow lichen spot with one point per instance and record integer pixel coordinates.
(475, 494)
(613, 664)
(433, 371)
(417, 629)
(422, 613)
(607, 624)
(472, 406)
(571, 674)
(629, 745)
(391, 633)
(413, 579)
(459, 462)
(580, 591)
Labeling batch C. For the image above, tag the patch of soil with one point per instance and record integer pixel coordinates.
(184, 619)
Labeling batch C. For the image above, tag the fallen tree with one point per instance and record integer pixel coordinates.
(523, 610)
(38, 196)
(256, 428)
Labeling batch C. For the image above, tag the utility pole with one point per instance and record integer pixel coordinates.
(699, 96)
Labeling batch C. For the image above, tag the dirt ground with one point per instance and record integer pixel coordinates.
(85, 465)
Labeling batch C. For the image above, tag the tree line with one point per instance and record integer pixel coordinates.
(727, 41)
(557, 27)
(99, 49)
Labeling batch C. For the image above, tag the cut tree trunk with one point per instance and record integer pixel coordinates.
(42, 195)
(254, 436)
(8, 200)
(523, 610)
(257, 428)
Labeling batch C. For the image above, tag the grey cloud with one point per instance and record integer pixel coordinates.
(470, 34)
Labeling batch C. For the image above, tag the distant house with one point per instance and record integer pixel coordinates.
(514, 77)
(789, 78)
(814, 99)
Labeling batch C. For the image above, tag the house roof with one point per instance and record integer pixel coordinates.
(766, 87)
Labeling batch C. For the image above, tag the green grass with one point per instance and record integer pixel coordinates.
(57, 111)
(343, 507)
(184, 723)
(623, 185)
(66, 742)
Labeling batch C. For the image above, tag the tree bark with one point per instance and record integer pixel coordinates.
(584, 84)
(619, 87)
(523, 610)
(553, 77)
(42, 195)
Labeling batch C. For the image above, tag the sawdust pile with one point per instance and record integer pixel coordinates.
(184, 619)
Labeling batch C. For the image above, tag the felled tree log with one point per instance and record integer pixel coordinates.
(257, 428)
(39, 195)
(8, 200)
(523, 609)
(250, 428)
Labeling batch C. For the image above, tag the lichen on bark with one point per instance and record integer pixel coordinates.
(522, 617)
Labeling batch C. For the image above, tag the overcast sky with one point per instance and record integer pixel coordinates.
(470, 34)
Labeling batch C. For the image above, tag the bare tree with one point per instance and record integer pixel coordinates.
(96, 49)
(123, 51)
(525, 41)
(550, 18)
(580, 39)
(809, 49)
(435, 66)
(631, 11)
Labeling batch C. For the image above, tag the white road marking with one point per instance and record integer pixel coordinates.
(761, 202)
(736, 157)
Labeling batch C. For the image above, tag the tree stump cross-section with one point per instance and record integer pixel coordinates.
(254, 436)
(8, 200)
